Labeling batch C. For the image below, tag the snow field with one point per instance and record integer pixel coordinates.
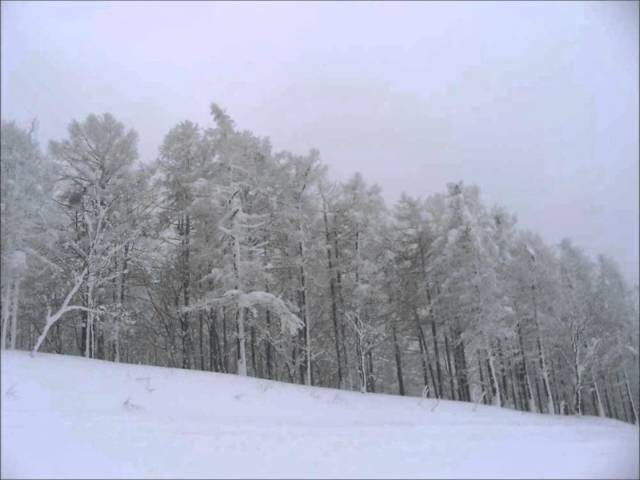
(65, 416)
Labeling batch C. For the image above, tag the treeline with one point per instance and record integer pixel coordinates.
(224, 255)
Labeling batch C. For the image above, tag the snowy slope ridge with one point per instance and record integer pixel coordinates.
(66, 416)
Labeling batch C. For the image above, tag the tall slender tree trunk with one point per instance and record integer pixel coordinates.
(362, 365)
(515, 390)
(526, 381)
(541, 355)
(607, 403)
(241, 340)
(213, 344)
(225, 343)
(465, 375)
(452, 376)
(437, 358)
(359, 325)
(345, 354)
(483, 389)
(423, 354)
(503, 371)
(545, 377)
(398, 357)
(122, 295)
(201, 335)
(254, 362)
(461, 368)
(7, 282)
(268, 348)
(90, 333)
(371, 382)
(6, 296)
(186, 285)
(332, 293)
(14, 313)
(241, 351)
(538, 395)
(457, 361)
(497, 398)
(632, 405)
(553, 385)
(437, 382)
(597, 399)
(621, 393)
(305, 312)
(577, 399)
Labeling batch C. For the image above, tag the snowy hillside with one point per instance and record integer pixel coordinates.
(65, 416)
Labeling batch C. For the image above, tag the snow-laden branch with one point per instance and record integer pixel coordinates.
(288, 320)
(52, 319)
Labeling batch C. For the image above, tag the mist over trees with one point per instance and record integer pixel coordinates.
(225, 255)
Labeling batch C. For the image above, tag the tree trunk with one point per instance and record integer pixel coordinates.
(452, 379)
(465, 370)
(503, 371)
(186, 285)
(225, 343)
(545, 377)
(214, 355)
(242, 354)
(461, 369)
(100, 350)
(371, 383)
(526, 382)
(88, 340)
(497, 398)
(437, 357)
(621, 393)
(123, 283)
(332, 293)
(634, 411)
(423, 354)
(254, 363)
(362, 366)
(398, 357)
(268, 348)
(14, 313)
(6, 299)
(577, 399)
(515, 390)
(345, 355)
(597, 399)
(201, 328)
(541, 355)
(553, 384)
(612, 411)
(305, 312)
(539, 396)
(241, 341)
(483, 390)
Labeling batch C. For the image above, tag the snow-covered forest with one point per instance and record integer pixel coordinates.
(228, 256)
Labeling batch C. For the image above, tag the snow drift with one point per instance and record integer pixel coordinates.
(66, 416)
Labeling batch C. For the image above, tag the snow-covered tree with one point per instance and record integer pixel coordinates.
(26, 179)
(225, 255)
(95, 168)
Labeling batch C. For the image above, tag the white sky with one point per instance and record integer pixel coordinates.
(537, 103)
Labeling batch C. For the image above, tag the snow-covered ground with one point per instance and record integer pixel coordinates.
(65, 416)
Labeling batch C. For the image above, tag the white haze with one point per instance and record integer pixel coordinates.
(537, 103)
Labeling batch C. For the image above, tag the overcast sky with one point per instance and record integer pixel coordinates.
(535, 103)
